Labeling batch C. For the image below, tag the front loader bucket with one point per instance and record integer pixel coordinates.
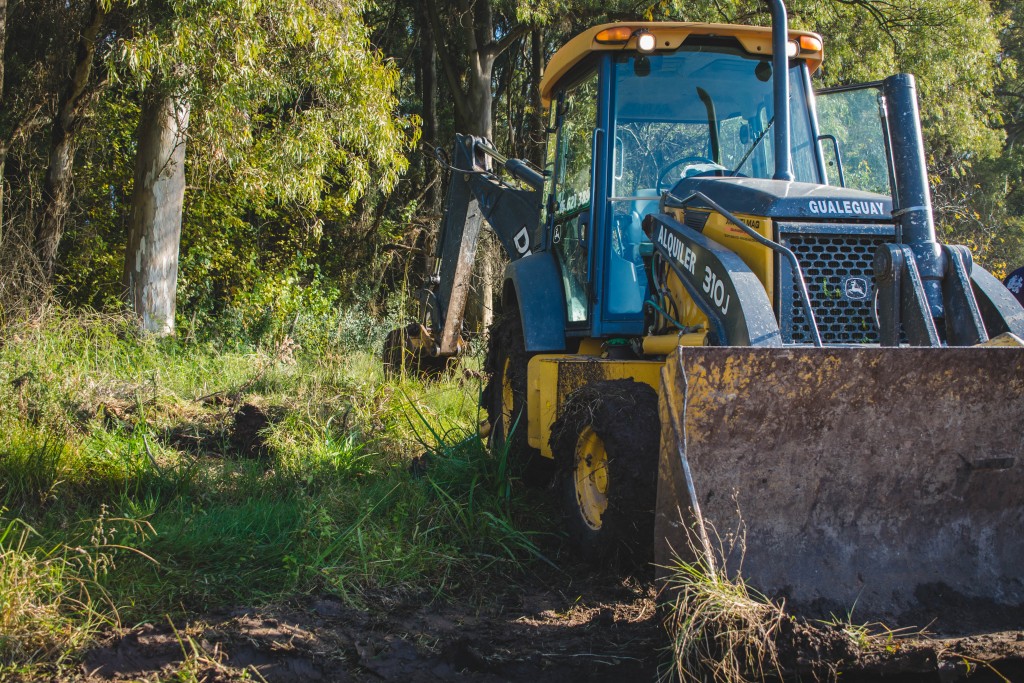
(869, 481)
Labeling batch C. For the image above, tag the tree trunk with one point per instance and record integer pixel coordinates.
(56, 198)
(428, 86)
(490, 253)
(3, 43)
(3, 167)
(473, 103)
(477, 117)
(151, 261)
(71, 110)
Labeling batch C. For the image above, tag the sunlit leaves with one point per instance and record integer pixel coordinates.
(288, 96)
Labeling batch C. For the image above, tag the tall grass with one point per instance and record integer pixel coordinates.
(361, 485)
(51, 596)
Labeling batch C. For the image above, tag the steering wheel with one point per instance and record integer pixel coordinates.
(685, 160)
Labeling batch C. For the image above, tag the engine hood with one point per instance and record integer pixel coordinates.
(780, 199)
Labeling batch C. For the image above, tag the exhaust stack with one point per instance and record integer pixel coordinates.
(780, 90)
(912, 202)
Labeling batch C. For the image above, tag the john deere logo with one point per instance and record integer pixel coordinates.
(856, 288)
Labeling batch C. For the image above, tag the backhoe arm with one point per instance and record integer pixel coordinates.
(476, 194)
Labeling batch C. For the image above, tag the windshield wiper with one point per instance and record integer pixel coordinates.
(754, 146)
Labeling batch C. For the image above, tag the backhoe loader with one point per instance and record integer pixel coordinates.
(728, 323)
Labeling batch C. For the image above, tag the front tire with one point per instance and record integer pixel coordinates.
(606, 453)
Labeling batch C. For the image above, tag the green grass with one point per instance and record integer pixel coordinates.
(126, 498)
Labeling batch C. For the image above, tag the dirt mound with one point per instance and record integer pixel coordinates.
(240, 433)
(247, 432)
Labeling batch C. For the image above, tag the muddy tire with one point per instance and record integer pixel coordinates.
(606, 452)
(504, 398)
(400, 356)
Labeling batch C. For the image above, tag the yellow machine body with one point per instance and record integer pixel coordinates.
(552, 378)
(827, 423)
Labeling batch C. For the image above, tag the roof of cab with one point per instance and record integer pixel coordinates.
(756, 40)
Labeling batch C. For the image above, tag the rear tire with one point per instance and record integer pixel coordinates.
(606, 451)
(505, 401)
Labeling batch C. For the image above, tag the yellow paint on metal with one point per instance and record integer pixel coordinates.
(552, 377)
(591, 477)
(756, 40)
(591, 347)
(1005, 339)
(757, 257)
(688, 313)
(541, 401)
(664, 344)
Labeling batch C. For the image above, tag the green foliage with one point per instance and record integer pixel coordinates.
(294, 119)
(359, 484)
(93, 245)
(51, 600)
(289, 99)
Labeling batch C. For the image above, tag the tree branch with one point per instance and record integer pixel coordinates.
(447, 62)
(507, 40)
(78, 92)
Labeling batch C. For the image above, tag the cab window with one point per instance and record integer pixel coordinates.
(572, 189)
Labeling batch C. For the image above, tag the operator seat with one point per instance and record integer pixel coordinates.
(628, 282)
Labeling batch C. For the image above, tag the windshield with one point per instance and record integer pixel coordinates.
(706, 112)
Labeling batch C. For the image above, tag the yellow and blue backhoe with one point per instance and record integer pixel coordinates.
(728, 323)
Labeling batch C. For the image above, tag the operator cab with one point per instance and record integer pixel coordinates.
(627, 125)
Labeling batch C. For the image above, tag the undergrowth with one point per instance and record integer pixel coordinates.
(143, 478)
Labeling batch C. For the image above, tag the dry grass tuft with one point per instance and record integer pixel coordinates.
(720, 629)
(45, 609)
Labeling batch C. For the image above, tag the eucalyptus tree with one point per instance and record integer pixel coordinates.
(478, 34)
(284, 97)
(470, 36)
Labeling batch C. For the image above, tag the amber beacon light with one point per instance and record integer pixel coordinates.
(616, 34)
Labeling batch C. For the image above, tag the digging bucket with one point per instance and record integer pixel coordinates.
(862, 480)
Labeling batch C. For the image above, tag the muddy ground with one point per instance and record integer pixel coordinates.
(538, 627)
(569, 625)
(546, 625)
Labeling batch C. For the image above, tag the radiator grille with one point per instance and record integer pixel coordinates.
(838, 270)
